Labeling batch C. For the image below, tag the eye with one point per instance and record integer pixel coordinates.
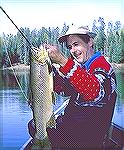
(75, 44)
(69, 47)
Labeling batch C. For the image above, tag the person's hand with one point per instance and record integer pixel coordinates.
(55, 55)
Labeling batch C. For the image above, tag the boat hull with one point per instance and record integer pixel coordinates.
(113, 141)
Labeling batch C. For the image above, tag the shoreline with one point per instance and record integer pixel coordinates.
(24, 67)
(117, 66)
(17, 67)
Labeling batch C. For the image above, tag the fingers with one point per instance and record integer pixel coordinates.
(55, 54)
(47, 46)
(51, 49)
(52, 52)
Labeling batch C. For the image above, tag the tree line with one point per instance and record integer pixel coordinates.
(109, 40)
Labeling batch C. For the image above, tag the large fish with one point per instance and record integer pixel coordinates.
(41, 94)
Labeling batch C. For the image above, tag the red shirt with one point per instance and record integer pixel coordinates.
(88, 79)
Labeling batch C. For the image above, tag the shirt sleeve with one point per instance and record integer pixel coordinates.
(61, 85)
(85, 83)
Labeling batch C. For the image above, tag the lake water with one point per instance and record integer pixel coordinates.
(15, 112)
(118, 117)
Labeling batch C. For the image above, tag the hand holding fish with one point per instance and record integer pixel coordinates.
(55, 55)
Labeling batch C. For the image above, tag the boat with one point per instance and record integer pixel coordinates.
(114, 140)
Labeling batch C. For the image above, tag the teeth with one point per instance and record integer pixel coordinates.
(77, 54)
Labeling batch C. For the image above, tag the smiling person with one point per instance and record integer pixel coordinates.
(90, 82)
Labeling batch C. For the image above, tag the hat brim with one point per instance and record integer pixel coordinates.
(63, 38)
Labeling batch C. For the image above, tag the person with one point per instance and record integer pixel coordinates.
(90, 82)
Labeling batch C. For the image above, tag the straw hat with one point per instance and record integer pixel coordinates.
(83, 30)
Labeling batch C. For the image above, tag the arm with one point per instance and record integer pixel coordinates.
(61, 85)
(93, 85)
(85, 83)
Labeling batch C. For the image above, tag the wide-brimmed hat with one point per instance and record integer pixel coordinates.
(83, 30)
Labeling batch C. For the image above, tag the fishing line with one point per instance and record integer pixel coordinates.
(17, 80)
(31, 46)
(16, 26)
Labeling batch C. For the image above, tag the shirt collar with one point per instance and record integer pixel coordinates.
(90, 60)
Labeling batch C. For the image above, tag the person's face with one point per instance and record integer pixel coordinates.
(78, 48)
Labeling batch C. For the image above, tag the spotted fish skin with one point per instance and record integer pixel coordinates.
(41, 91)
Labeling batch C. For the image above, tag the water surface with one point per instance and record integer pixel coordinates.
(15, 111)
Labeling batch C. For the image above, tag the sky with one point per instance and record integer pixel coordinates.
(53, 13)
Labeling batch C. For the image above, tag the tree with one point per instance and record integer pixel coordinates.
(114, 43)
(55, 35)
(122, 43)
(117, 25)
(44, 35)
(100, 40)
(34, 37)
(111, 44)
(64, 29)
(49, 35)
(94, 27)
(116, 53)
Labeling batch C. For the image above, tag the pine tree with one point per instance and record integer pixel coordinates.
(122, 43)
(100, 40)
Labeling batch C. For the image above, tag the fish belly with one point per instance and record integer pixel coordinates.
(42, 98)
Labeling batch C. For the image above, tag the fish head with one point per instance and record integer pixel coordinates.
(40, 55)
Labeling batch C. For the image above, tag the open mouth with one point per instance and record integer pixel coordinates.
(77, 54)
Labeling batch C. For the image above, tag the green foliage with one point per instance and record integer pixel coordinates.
(110, 44)
(100, 39)
(19, 48)
(109, 41)
(122, 43)
(115, 48)
(114, 43)
(64, 29)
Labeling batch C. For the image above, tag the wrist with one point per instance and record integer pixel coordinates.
(63, 61)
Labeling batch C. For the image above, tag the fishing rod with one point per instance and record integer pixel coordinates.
(16, 27)
(23, 35)
(30, 45)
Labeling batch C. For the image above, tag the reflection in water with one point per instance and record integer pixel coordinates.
(15, 112)
(119, 108)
